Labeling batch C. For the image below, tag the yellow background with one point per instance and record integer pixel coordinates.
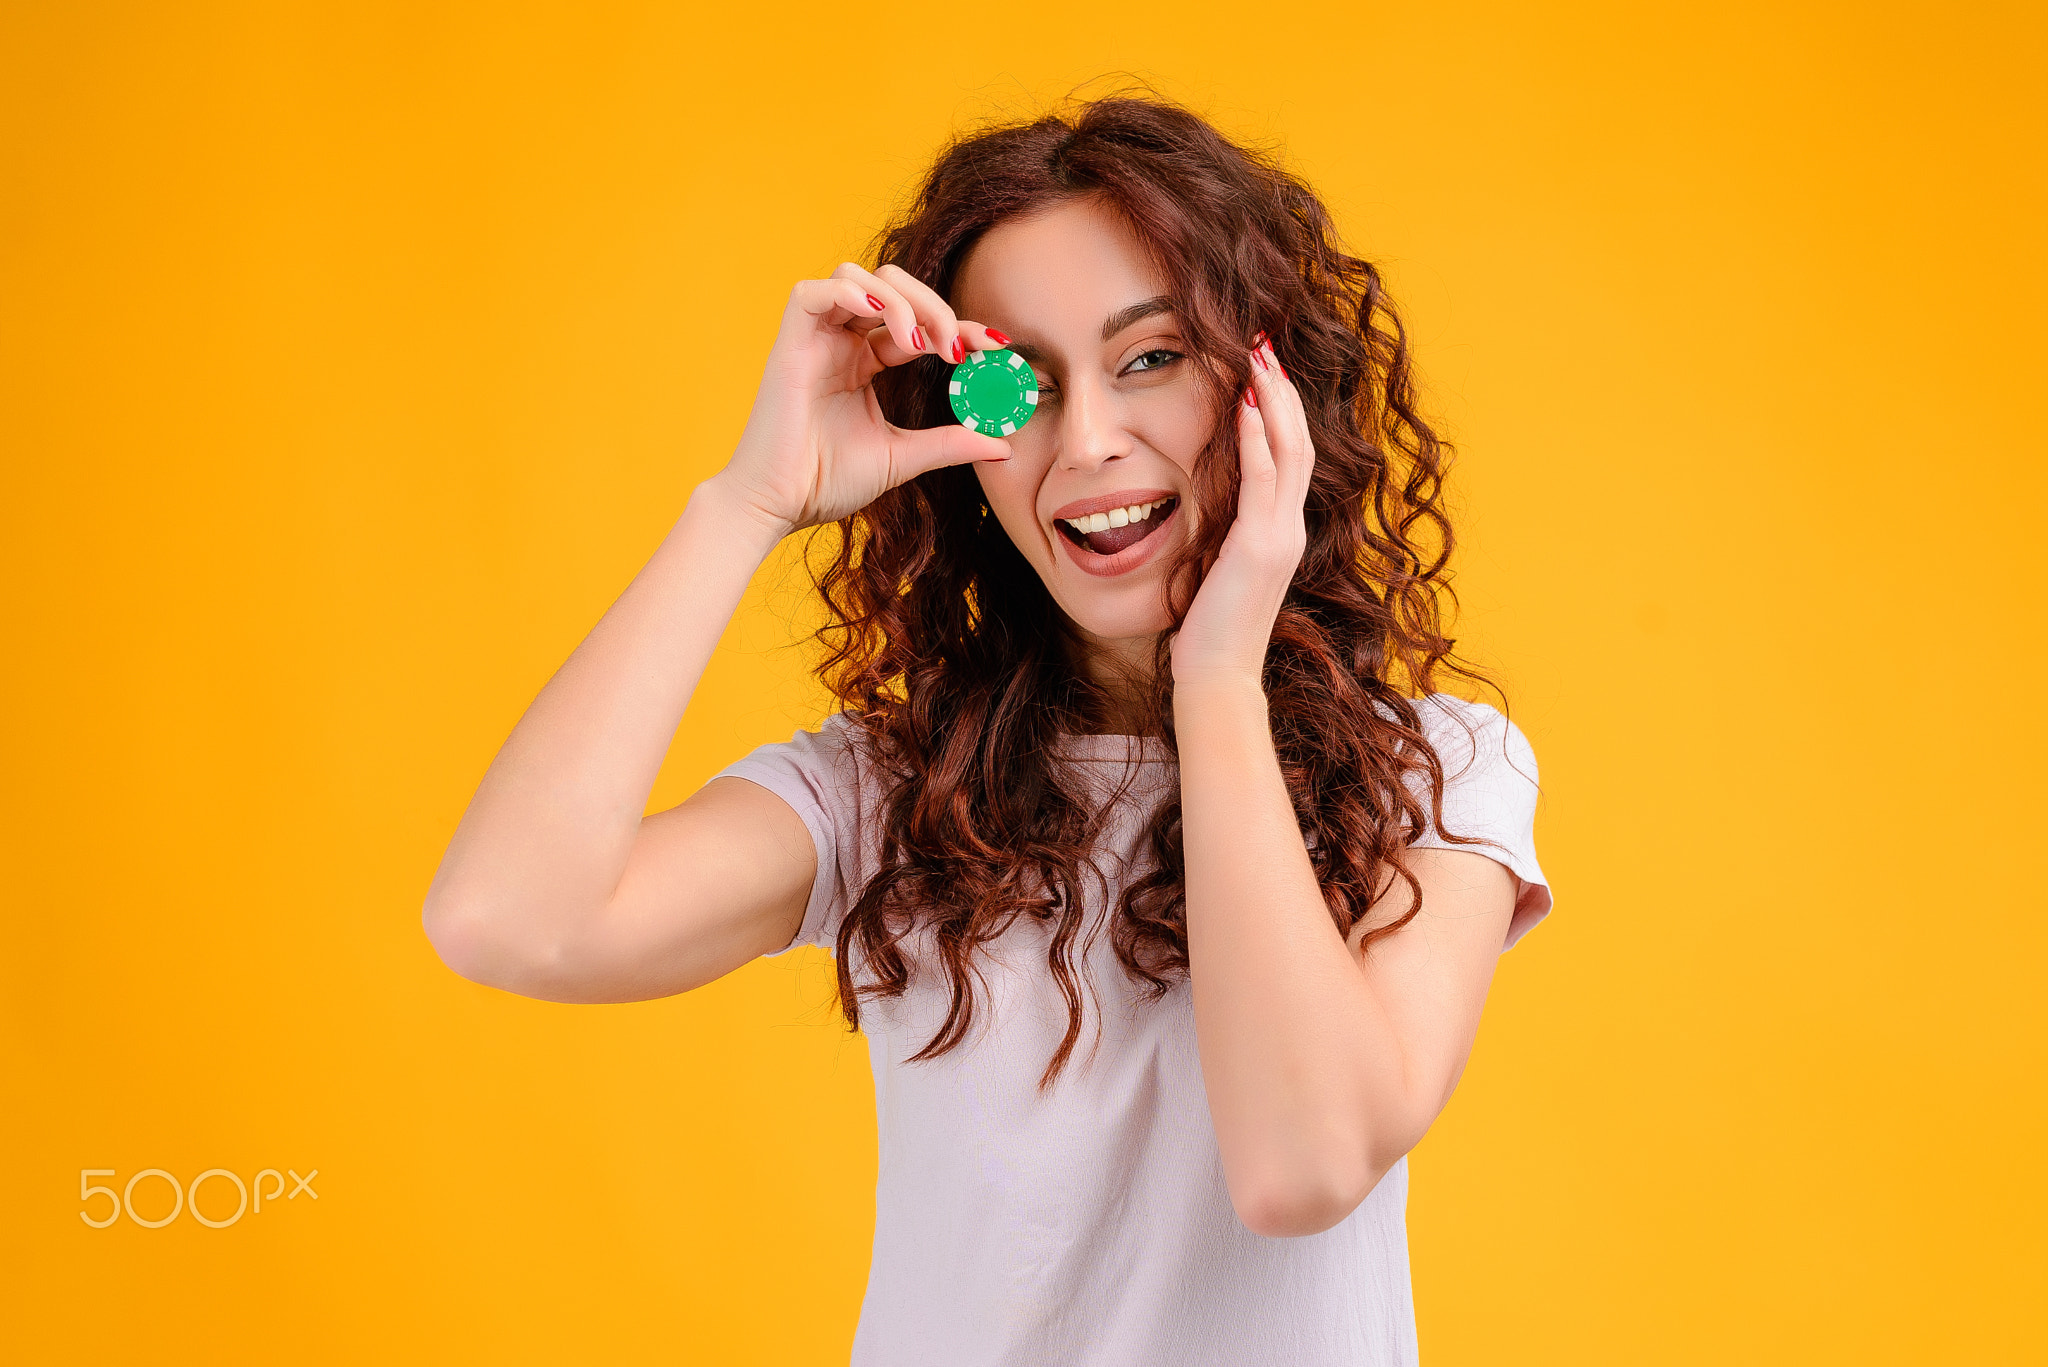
(354, 357)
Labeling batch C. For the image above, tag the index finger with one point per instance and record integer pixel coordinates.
(954, 336)
(1286, 423)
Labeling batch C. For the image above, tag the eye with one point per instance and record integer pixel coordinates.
(1157, 359)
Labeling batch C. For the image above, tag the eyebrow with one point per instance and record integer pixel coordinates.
(1144, 308)
(1111, 326)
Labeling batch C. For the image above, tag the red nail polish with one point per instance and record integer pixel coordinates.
(917, 339)
(996, 337)
(1258, 341)
(874, 303)
(1251, 398)
(959, 350)
(1259, 359)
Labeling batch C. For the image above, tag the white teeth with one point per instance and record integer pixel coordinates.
(1115, 517)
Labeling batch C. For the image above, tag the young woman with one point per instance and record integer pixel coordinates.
(1164, 882)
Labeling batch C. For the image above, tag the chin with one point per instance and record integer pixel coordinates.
(1111, 621)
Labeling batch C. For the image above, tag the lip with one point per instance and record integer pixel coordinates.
(1102, 503)
(1131, 556)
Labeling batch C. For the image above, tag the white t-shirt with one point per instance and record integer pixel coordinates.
(1091, 1224)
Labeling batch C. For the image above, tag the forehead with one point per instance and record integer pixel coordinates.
(1057, 273)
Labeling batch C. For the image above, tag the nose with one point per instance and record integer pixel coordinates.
(1091, 428)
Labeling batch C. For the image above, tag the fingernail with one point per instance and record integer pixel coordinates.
(996, 337)
(959, 350)
(874, 303)
(1251, 398)
(1259, 359)
(1258, 341)
(917, 339)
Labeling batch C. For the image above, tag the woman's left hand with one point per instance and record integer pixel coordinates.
(1230, 623)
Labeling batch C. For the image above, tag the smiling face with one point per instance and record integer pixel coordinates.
(1096, 494)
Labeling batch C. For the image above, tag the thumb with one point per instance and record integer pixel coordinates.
(921, 449)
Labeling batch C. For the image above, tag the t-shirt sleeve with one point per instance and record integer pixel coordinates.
(814, 772)
(1489, 792)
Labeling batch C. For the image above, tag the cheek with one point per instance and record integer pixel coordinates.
(1011, 491)
(1179, 425)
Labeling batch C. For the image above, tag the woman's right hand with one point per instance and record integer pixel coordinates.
(816, 446)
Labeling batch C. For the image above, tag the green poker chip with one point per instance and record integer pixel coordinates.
(993, 392)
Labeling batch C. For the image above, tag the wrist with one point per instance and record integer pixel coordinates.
(1218, 684)
(724, 502)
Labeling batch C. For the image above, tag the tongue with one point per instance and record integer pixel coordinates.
(1118, 538)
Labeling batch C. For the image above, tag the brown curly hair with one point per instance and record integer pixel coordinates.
(960, 671)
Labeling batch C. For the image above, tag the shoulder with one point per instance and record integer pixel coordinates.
(1490, 795)
(837, 736)
(1475, 738)
(821, 763)
(832, 740)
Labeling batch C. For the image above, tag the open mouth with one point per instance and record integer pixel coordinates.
(1119, 529)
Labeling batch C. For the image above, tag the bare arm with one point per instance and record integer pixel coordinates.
(554, 886)
(1323, 1066)
(549, 838)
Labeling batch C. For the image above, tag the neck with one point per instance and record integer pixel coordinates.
(1122, 669)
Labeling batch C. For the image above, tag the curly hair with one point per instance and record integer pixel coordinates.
(960, 671)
